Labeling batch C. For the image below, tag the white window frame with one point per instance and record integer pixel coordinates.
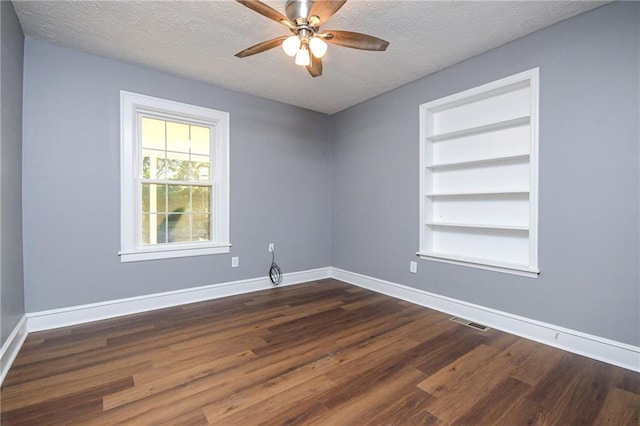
(132, 105)
(429, 195)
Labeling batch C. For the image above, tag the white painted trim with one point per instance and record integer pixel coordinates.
(602, 349)
(132, 105)
(46, 320)
(513, 269)
(173, 252)
(12, 346)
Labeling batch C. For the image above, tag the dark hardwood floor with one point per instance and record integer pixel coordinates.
(321, 353)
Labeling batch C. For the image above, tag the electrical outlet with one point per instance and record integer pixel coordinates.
(271, 247)
(235, 262)
(413, 267)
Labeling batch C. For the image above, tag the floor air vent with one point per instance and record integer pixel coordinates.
(471, 324)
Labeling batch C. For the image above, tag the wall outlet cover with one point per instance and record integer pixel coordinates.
(271, 247)
(413, 267)
(235, 262)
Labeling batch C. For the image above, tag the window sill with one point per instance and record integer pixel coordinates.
(169, 252)
(504, 267)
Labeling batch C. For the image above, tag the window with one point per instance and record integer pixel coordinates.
(175, 179)
(479, 177)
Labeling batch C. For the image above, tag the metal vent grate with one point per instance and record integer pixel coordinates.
(471, 324)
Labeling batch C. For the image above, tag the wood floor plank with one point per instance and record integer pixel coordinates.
(458, 387)
(553, 385)
(62, 351)
(200, 392)
(492, 405)
(323, 353)
(463, 384)
(30, 393)
(270, 407)
(41, 370)
(357, 407)
(620, 408)
(165, 366)
(626, 380)
(147, 383)
(408, 408)
(248, 397)
(381, 352)
(584, 396)
(524, 412)
(446, 347)
(87, 402)
(542, 360)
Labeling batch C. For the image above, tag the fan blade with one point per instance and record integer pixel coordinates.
(261, 47)
(354, 40)
(268, 11)
(324, 9)
(315, 69)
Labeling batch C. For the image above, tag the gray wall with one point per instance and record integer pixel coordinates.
(280, 182)
(589, 172)
(11, 277)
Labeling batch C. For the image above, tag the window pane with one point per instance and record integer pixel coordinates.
(152, 224)
(200, 168)
(178, 228)
(153, 198)
(161, 204)
(152, 164)
(200, 196)
(177, 137)
(153, 135)
(145, 229)
(200, 140)
(179, 198)
(201, 226)
(177, 166)
(161, 229)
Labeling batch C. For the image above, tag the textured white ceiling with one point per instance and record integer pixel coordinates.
(197, 40)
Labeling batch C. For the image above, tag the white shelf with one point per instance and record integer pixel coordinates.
(514, 122)
(490, 264)
(462, 194)
(480, 161)
(478, 226)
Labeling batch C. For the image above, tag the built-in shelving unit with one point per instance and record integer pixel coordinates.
(478, 176)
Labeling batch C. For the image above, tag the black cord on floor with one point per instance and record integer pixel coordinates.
(274, 272)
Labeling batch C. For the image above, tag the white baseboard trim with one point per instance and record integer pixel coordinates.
(609, 351)
(12, 346)
(55, 318)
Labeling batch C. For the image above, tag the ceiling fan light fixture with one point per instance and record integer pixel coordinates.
(302, 57)
(318, 47)
(291, 45)
(308, 44)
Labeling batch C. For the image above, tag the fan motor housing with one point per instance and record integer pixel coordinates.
(298, 10)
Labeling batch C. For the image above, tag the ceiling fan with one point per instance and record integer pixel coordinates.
(307, 43)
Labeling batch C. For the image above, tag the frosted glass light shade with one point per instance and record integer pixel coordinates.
(302, 57)
(291, 45)
(318, 47)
